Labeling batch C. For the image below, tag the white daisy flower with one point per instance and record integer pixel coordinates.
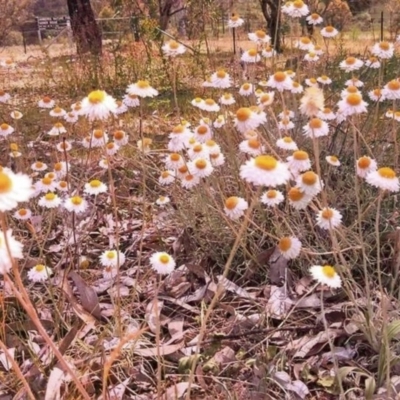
(259, 37)
(6, 130)
(310, 183)
(252, 147)
(95, 187)
(326, 275)
(352, 104)
(120, 138)
(50, 200)
(99, 138)
(235, 207)
(9, 252)
(311, 57)
(376, 95)
(111, 148)
(354, 82)
(373, 63)
(76, 204)
(121, 108)
(266, 99)
(280, 81)
(333, 160)
(289, 247)
(299, 161)
(14, 189)
(200, 167)
(285, 124)
(384, 50)
(329, 218)
(163, 200)
(365, 165)
(329, 32)
(16, 114)
(162, 263)
(172, 49)
(166, 177)
(142, 88)
(246, 120)
(198, 150)
(272, 198)
(312, 82)
(98, 105)
(351, 64)
(265, 170)
(212, 147)
(57, 112)
(60, 169)
(39, 273)
(383, 178)
(324, 80)
(221, 79)
(217, 159)
(235, 21)
(202, 133)
(286, 143)
(131, 100)
(315, 128)
(4, 96)
(219, 122)
(62, 186)
(326, 114)
(227, 99)
(298, 199)
(391, 90)
(57, 129)
(189, 181)
(304, 43)
(268, 52)
(198, 102)
(296, 9)
(112, 258)
(209, 105)
(314, 19)
(246, 89)
(23, 214)
(71, 117)
(39, 166)
(250, 56)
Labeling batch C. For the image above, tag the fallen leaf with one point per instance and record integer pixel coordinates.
(279, 302)
(164, 350)
(232, 287)
(54, 384)
(153, 312)
(4, 358)
(178, 390)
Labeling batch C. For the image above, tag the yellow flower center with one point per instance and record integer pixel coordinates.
(352, 89)
(95, 183)
(197, 148)
(22, 212)
(175, 157)
(50, 196)
(394, 85)
(246, 86)
(58, 125)
(364, 162)
(2, 93)
(201, 164)
(329, 271)
(387, 173)
(13, 147)
(47, 181)
(231, 202)
(315, 123)
(50, 175)
(354, 99)
(183, 169)
(39, 268)
(173, 45)
(58, 167)
(279, 76)
(110, 145)
(268, 49)
(288, 139)
(285, 244)
(260, 34)
(63, 184)
(313, 80)
(143, 84)
(132, 96)
(300, 155)
(377, 92)
(295, 194)
(227, 96)
(327, 213)
(110, 255)
(76, 200)
(252, 52)
(243, 114)
(4, 126)
(97, 96)
(333, 158)
(267, 163)
(350, 60)
(46, 99)
(57, 110)
(209, 102)
(165, 174)
(271, 194)
(265, 98)
(305, 40)
(254, 144)
(221, 74)
(164, 258)
(309, 178)
(189, 177)
(384, 46)
(119, 135)
(98, 133)
(298, 4)
(314, 16)
(329, 29)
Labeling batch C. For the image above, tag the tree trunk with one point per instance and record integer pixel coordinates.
(272, 14)
(84, 27)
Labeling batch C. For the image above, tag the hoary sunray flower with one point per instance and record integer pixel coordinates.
(212, 147)
(235, 207)
(311, 57)
(272, 198)
(57, 112)
(50, 200)
(268, 52)
(280, 81)
(163, 200)
(349, 90)
(373, 63)
(210, 105)
(299, 161)
(296, 88)
(217, 159)
(142, 88)
(326, 275)
(297, 9)
(174, 161)
(365, 165)
(39, 166)
(266, 99)
(304, 43)
(98, 105)
(4, 96)
(131, 100)
(166, 177)
(219, 122)
(383, 178)
(351, 64)
(62, 186)
(6, 130)
(259, 37)
(189, 181)
(309, 183)
(289, 247)
(227, 99)
(172, 48)
(60, 169)
(197, 102)
(23, 214)
(324, 80)
(285, 124)
(246, 89)
(121, 108)
(39, 273)
(57, 129)
(64, 146)
(329, 218)
(298, 199)
(383, 50)
(312, 101)
(312, 82)
(352, 104)
(286, 143)
(316, 128)
(112, 258)
(329, 32)
(120, 138)
(376, 95)
(111, 148)
(71, 117)
(246, 120)
(16, 114)
(221, 79)
(162, 263)
(235, 21)
(265, 170)
(95, 187)
(252, 147)
(14, 189)
(326, 114)
(250, 56)
(333, 160)
(391, 90)
(76, 204)
(144, 145)
(13, 250)
(314, 19)
(198, 150)
(354, 81)
(46, 102)
(200, 167)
